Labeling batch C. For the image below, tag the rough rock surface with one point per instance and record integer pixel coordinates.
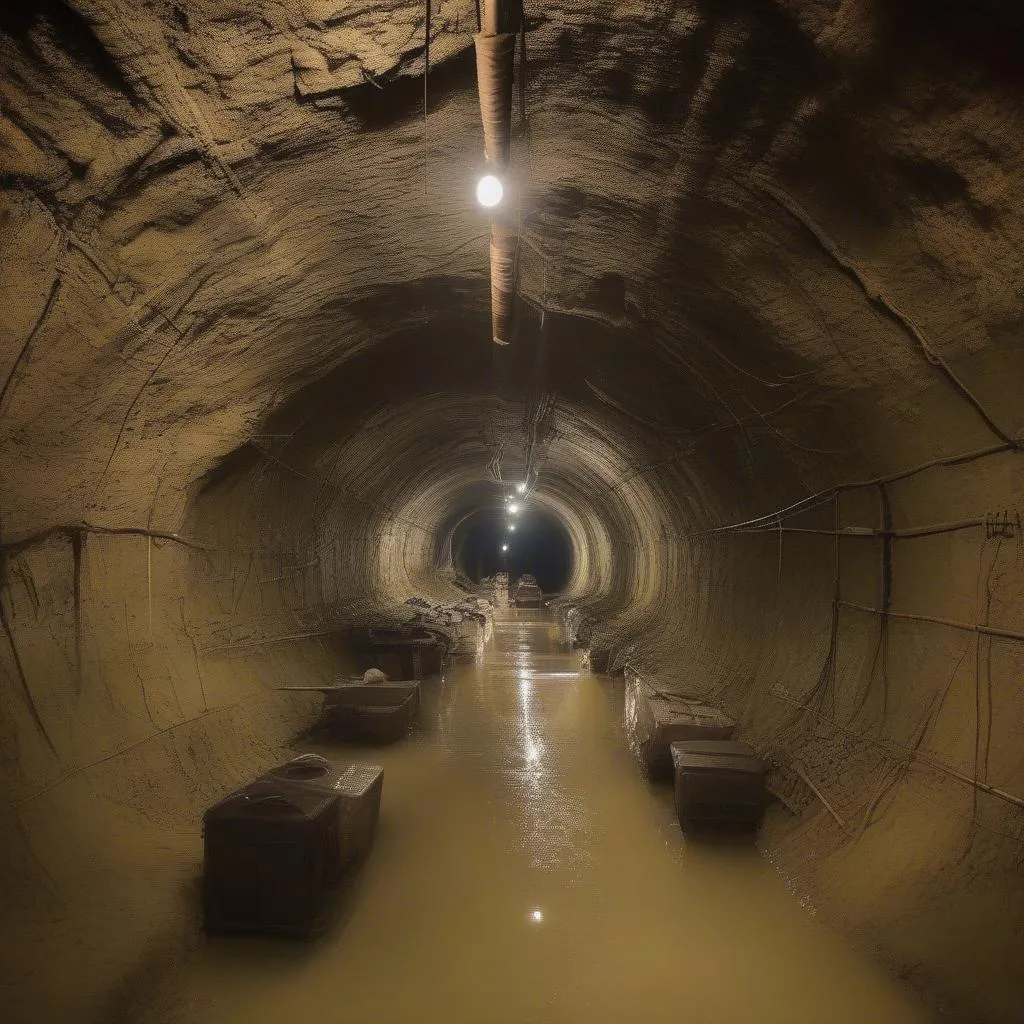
(768, 373)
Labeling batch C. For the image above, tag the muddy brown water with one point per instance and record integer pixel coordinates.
(524, 871)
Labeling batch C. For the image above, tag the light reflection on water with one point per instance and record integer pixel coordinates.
(524, 871)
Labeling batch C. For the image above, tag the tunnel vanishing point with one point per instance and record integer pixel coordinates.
(764, 372)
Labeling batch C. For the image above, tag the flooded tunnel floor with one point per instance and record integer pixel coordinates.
(524, 871)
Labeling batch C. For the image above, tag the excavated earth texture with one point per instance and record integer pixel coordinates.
(767, 372)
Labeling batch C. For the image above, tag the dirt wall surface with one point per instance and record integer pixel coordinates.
(767, 374)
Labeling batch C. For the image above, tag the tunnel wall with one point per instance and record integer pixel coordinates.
(909, 829)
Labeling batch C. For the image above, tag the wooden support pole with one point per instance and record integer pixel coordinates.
(498, 16)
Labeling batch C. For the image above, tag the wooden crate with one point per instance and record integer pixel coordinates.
(655, 719)
(718, 782)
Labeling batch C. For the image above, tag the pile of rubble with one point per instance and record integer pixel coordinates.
(467, 623)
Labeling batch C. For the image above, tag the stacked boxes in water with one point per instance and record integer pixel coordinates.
(717, 780)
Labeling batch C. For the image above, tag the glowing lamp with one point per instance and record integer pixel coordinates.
(489, 191)
(504, 547)
(520, 488)
(513, 508)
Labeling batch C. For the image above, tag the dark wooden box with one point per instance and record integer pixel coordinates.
(372, 712)
(271, 853)
(717, 782)
(655, 719)
(275, 848)
(360, 787)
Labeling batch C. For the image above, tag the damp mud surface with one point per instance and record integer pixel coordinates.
(524, 871)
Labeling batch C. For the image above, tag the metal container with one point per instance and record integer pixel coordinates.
(271, 855)
(359, 786)
(374, 712)
(405, 654)
(717, 782)
(275, 848)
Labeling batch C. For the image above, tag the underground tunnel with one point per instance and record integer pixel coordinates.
(739, 340)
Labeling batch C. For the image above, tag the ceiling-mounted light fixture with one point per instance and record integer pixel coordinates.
(513, 508)
(520, 488)
(504, 547)
(489, 191)
(512, 527)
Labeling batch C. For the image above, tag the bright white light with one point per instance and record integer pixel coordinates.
(521, 488)
(536, 915)
(512, 527)
(513, 508)
(489, 190)
(504, 547)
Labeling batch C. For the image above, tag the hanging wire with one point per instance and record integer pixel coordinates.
(426, 75)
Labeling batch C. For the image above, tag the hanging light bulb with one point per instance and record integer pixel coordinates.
(512, 527)
(504, 547)
(513, 508)
(520, 488)
(489, 191)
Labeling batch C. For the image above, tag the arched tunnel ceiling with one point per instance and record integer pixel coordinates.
(741, 213)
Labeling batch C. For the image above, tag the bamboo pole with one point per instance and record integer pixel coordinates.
(969, 627)
(802, 772)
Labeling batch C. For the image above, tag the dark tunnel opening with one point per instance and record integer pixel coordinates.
(537, 543)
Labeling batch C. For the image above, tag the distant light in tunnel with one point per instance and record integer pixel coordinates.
(520, 488)
(489, 191)
(512, 527)
(537, 915)
(513, 508)
(504, 547)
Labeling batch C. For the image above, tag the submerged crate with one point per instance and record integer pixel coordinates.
(275, 848)
(467, 636)
(718, 782)
(527, 593)
(501, 590)
(656, 719)
(358, 785)
(272, 854)
(597, 659)
(405, 654)
(375, 712)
